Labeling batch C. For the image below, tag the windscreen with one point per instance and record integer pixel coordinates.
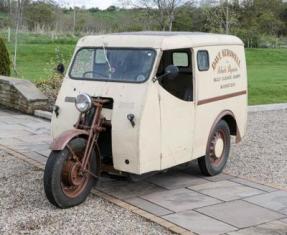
(110, 64)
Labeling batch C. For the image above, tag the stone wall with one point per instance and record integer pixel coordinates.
(21, 95)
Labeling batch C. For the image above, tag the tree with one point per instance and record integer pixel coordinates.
(4, 5)
(112, 8)
(221, 18)
(40, 15)
(18, 20)
(4, 59)
(94, 9)
(163, 11)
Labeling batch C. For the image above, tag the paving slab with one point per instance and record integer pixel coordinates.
(36, 156)
(284, 220)
(181, 195)
(124, 189)
(226, 190)
(174, 180)
(10, 142)
(253, 184)
(219, 177)
(275, 200)
(8, 120)
(148, 206)
(5, 127)
(38, 131)
(198, 223)
(15, 133)
(45, 152)
(41, 139)
(272, 228)
(190, 168)
(180, 199)
(240, 214)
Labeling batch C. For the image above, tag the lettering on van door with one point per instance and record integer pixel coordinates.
(226, 66)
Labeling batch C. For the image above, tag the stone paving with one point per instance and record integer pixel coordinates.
(222, 204)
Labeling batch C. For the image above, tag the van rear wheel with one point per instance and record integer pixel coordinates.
(217, 151)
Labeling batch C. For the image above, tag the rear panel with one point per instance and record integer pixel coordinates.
(222, 87)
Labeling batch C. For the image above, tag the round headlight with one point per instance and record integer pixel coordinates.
(83, 102)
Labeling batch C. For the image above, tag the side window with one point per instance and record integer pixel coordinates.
(182, 85)
(180, 59)
(203, 60)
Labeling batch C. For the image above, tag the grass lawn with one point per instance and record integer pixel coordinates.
(37, 61)
(267, 74)
(267, 68)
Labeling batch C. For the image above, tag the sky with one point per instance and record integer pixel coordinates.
(102, 4)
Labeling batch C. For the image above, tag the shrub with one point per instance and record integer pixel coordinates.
(51, 86)
(4, 59)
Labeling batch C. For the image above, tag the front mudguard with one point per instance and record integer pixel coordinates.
(60, 142)
(63, 140)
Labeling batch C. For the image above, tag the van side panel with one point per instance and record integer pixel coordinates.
(223, 87)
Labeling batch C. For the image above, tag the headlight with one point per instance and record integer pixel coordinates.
(83, 102)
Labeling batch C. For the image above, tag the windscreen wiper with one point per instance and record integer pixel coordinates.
(108, 62)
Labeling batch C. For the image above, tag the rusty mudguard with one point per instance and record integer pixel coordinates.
(62, 140)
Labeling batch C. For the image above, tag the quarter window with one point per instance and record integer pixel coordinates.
(180, 59)
(203, 60)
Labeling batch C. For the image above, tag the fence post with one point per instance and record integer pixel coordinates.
(9, 34)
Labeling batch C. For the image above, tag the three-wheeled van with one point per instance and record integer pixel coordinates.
(135, 103)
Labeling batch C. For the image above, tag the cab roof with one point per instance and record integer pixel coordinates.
(158, 40)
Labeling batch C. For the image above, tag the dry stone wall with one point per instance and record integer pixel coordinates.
(21, 95)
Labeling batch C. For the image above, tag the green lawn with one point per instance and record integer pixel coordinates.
(267, 74)
(37, 61)
(267, 68)
(38, 54)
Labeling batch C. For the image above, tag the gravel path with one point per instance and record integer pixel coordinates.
(25, 209)
(262, 155)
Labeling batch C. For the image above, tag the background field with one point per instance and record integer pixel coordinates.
(267, 68)
(267, 72)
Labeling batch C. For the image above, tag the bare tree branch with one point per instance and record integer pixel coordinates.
(163, 11)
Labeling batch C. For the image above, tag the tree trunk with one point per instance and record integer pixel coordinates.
(171, 19)
(16, 35)
(74, 21)
(227, 18)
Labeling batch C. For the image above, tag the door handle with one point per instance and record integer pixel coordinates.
(131, 118)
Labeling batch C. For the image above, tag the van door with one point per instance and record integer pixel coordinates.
(176, 109)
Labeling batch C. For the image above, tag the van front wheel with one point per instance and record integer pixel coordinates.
(64, 182)
(217, 151)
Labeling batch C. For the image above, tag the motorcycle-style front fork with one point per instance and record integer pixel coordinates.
(97, 126)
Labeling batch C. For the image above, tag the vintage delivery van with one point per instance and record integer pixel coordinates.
(135, 103)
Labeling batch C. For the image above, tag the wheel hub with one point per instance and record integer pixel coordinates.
(72, 173)
(219, 146)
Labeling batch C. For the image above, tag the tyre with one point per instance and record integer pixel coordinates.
(63, 184)
(217, 151)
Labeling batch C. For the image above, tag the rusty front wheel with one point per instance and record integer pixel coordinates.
(65, 183)
(217, 150)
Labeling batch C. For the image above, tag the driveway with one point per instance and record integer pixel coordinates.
(25, 209)
(225, 204)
